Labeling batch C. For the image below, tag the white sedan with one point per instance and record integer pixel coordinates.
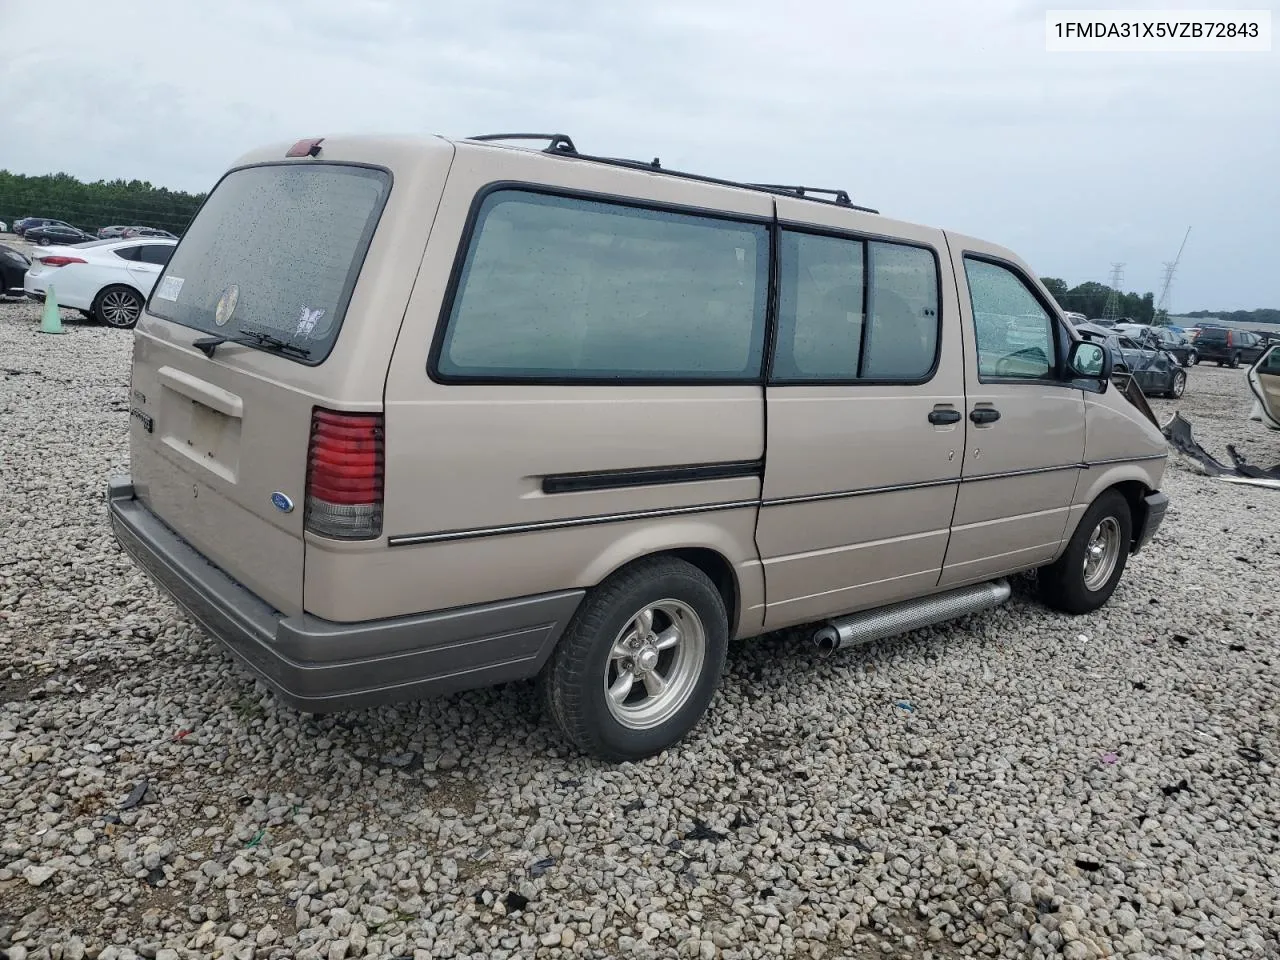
(108, 280)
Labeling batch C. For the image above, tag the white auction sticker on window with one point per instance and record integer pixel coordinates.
(169, 288)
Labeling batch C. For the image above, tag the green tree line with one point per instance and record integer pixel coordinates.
(89, 206)
(1090, 298)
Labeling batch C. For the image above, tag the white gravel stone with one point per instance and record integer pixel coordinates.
(982, 822)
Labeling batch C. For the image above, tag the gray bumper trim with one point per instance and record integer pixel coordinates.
(1157, 504)
(320, 666)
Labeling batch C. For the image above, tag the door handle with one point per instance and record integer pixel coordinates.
(984, 415)
(940, 416)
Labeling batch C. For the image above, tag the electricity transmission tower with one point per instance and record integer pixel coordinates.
(1112, 310)
(1166, 281)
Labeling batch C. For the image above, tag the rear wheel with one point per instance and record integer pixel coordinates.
(1192, 359)
(640, 661)
(1235, 360)
(1085, 576)
(1177, 384)
(118, 307)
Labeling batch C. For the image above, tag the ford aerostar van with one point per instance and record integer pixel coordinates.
(411, 416)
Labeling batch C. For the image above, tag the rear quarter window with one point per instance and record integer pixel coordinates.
(289, 240)
(556, 288)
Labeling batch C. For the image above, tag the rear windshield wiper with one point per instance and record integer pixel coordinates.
(250, 338)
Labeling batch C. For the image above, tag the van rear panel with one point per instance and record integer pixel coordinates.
(311, 253)
(215, 445)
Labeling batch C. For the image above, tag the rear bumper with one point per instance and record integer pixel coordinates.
(1211, 354)
(1156, 505)
(320, 666)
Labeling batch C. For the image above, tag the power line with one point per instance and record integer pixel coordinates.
(1170, 267)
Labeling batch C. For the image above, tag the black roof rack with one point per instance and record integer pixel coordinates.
(561, 145)
(557, 142)
(840, 196)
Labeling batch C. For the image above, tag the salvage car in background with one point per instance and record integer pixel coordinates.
(1228, 347)
(1162, 338)
(1157, 372)
(132, 232)
(20, 227)
(55, 233)
(107, 280)
(13, 267)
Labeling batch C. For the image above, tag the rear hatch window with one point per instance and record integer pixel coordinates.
(274, 254)
(1218, 335)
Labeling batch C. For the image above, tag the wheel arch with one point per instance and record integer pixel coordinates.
(1132, 482)
(706, 546)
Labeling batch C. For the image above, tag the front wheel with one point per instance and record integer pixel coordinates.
(640, 661)
(1192, 359)
(1177, 385)
(118, 307)
(1085, 576)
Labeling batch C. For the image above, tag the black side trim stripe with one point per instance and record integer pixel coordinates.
(651, 476)
(476, 533)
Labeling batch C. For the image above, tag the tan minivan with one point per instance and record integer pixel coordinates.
(416, 415)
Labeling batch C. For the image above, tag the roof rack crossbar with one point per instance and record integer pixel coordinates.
(556, 142)
(559, 143)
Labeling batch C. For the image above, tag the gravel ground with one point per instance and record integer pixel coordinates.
(1018, 784)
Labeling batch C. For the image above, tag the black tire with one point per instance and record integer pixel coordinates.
(573, 682)
(1062, 584)
(1177, 384)
(1235, 360)
(1192, 359)
(109, 307)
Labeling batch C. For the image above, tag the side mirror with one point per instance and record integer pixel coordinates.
(1090, 361)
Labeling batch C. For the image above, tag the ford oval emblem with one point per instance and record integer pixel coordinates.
(282, 502)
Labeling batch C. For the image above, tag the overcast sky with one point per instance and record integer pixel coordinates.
(951, 114)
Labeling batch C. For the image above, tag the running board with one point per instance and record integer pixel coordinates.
(871, 625)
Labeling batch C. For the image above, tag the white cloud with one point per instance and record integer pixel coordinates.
(951, 114)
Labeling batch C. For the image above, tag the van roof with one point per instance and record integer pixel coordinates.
(396, 152)
(557, 145)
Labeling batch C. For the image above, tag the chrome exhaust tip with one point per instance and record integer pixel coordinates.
(827, 640)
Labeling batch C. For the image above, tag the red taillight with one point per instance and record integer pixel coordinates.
(59, 261)
(344, 475)
(1230, 339)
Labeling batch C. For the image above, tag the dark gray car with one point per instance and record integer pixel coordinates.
(1157, 372)
(1229, 347)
